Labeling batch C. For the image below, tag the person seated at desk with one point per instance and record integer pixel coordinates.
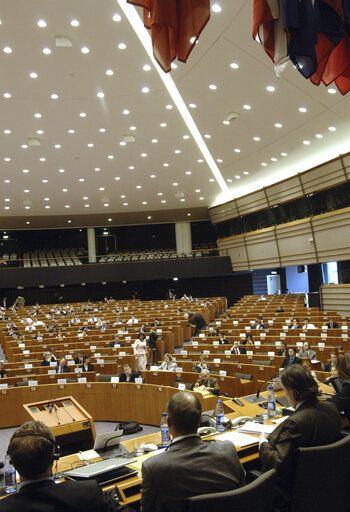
(307, 352)
(168, 364)
(116, 342)
(342, 399)
(259, 324)
(332, 362)
(62, 366)
(33, 450)
(295, 324)
(128, 375)
(117, 321)
(236, 349)
(214, 332)
(3, 373)
(222, 340)
(308, 367)
(248, 340)
(132, 320)
(54, 356)
(156, 323)
(279, 310)
(202, 364)
(313, 423)
(189, 466)
(332, 324)
(79, 358)
(283, 351)
(291, 358)
(87, 366)
(142, 329)
(46, 359)
(307, 325)
(208, 382)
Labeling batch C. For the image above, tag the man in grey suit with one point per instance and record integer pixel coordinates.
(189, 466)
(307, 352)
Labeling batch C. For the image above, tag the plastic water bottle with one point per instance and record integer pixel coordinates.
(10, 476)
(219, 413)
(271, 402)
(164, 430)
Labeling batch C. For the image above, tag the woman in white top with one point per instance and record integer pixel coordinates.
(140, 353)
(168, 364)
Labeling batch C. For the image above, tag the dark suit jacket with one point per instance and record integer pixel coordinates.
(187, 468)
(122, 377)
(297, 360)
(242, 350)
(333, 325)
(46, 496)
(314, 423)
(66, 369)
(90, 368)
(342, 399)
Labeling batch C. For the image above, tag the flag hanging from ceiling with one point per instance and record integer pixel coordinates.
(175, 27)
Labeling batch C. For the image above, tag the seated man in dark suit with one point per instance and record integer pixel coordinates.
(62, 366)
(128, 375)
(259, 323)
(313, 423)
(189, 466)
(236, 349)
(79, 358)
(33, 450)
(208, 382)
(87, 366)
(295, 324)
(291, 358)
(332, 324)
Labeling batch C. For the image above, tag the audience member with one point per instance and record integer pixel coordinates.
(307, 365)
(128, 375)
(168, 364)
(46, 361)
(248, 338)
(295, 324)
(140, 352)
(156, 323)
(202, 364)
(79, 358)
(222, 340)
(307, 352)
(87, 366)
(152, 343)
(189, 466)
(279, 310)
(342, 399)
(236, 349)
(259, 323)
(54, 356)
(208, 382)
(33, 450)
(3, 373)
(197, 321)
(62, 366)
(291, 358)
(332, 362)
(116, 342)
(132, 320)
(283, 351)
(307, 325)
(332, 324)
(313, 423)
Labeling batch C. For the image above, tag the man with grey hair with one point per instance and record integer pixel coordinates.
(189, 466)
(208, 382)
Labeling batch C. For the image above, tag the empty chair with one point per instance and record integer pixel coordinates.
(254, 497)
(103, 377)
(261, 363)
(244, 376)
(322, 478)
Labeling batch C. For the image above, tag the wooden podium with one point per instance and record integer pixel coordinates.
(71, 425)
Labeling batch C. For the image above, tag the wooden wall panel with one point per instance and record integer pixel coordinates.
(236, 249)
(284, 191)
(336, 297)
(262, 249)
(223, 212)
(332, 235)
(324, 176)
(252, 202)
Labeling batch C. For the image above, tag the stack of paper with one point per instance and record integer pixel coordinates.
(256, 428)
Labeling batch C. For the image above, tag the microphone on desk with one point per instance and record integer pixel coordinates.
(261, 385)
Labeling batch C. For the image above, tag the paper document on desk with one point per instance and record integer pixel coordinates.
(237, 438)
(256, 428)
(137, 464)
(88, 455)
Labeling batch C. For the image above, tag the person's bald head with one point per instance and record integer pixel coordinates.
(184, 413)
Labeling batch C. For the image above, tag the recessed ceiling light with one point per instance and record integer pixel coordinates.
(319, 136)
(97, 169)
(71, 131)
(27, 222)
(186, 137)
(126, 112)
(257, 139)
(284, 154)
(110, 157)
(109, 220)
(226, 122)
(7, 132)
(6, 207)
(247, 107)
(192, 39)
(100, 95)
(138, 186)
(7, 95)
(45, 181)
(332, 128)
(331, 90)
(90, 145)
(123, 196)
(105, 204)
(273, 159)
(7, 199)
(7, 49)
(85, 49)
(7, 159)
(188, 215)
(58, 146)
(197, 190)
(101, 188)
(163, 125)
(145, 90)
(24, 146)
(26, 190)
(278, 125)
(192, 105)
(33, 74)
(37, 115)
(75, 23)
(143, 155)
(306, 142)
(86, 205)
(109, 72)
(182, 199)
(7, 181)
(216, 8)
(246, 173)
(42, 159)
(237, 177)
(237, 150)
(159, 193)
(40, 132)
(147, 67)
(200, 160)
(213, 87)
(302, 110)
(132, 128)
(27, 207)
(25, 171)
(81, 180)
(131, 167)
(117, 178)
(234, 65)
(270, 88)
(201, 198)
(42, 23)
(121, 46)
(54, 96)
(154, 141)
(153, 176)
(264, 164)
(144, 202)
(211, 180)
(46, 199)
(165, 164)
(169, 107)
(65, 190)
(163, 201)
(125, 204)
(116, 17)
(82, 114)
(149, 217)
(61, 171)
(175, 184)
(46, 51)
(173, 65)
(177, 151)
(85, 198)
(102, 130)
